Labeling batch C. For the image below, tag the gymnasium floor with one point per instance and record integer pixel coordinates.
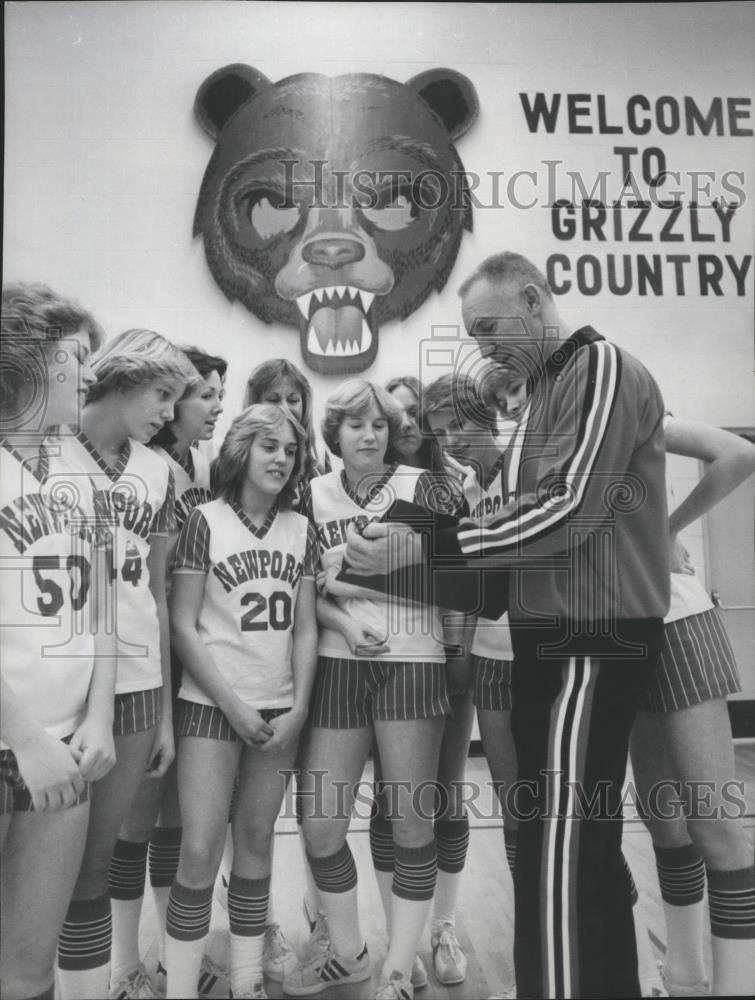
(486, 913)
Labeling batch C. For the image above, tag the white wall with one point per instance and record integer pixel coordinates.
(104, 160)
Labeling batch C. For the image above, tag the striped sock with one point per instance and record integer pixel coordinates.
(84, 950)
(126, 878)
(413, 887)
(681, 876)
(415, 872)
(510, 840)
(731, 898)
(451, 842)
(164, 852)
(381, 849)
(188, 926)
(247, 912)
(336, 880)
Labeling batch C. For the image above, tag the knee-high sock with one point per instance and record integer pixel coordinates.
(336, 880)
(413, 887)
(451, 842)
(188, 926)
(164, 852)
(247, 912)
(126, 878)
(731, 898)
(681, 876)
(84, 950)
(382, 850)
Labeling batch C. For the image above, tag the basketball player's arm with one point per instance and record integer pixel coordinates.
(48, 767)
(361, 641)
(286, 727)
(94, 737)
(163, 749)
(730, 461)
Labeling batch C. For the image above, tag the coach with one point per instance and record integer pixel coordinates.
(586, 537)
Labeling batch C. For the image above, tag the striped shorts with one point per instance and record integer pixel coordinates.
(349, 694)
(492, 684)
(136, 712)
(696, 665)
(14, 795)
(208, 722)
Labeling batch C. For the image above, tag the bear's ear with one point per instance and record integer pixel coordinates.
(223, 93)
(451, 95)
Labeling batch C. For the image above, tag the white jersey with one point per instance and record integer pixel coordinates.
(136, 499)
(191, 479)
(492, 639)
(252, 578)
(413, 633)
(46, 632)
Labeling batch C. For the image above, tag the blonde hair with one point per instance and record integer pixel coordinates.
(136, 357)
(230, 470)
(353, 398)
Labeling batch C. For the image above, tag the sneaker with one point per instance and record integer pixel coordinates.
(160, 979)
(327, 970)
(210, 975)
(278, 958)
(419, 974)
(135, 986)
(255, 992)
(395, 988)
(652, 986)
(449, 960)
(699, 989)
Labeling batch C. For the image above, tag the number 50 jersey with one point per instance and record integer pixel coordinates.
(252, 580)
(46, 619)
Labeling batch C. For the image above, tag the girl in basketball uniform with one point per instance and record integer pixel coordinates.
(417, 448)
(280, 382)
(140, 376)
(461, 414)
(243, 619)
(386, 679)
(196, 414)
(683, 734)
(56, 722)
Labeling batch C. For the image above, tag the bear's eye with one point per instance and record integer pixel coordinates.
(391, 208)
(270, 213)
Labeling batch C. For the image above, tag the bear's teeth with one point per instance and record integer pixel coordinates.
(313, 343)
(366, 340)
(367, 298)
(303, 302)
(318, 293)
(340, 290)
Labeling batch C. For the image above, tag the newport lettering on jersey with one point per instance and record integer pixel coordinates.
(257, 564)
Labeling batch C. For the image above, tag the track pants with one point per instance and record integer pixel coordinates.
(574, 934)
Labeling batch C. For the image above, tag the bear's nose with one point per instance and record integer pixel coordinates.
(333, 252)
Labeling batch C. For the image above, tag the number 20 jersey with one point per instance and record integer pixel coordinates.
(252, 578)
(46, 635)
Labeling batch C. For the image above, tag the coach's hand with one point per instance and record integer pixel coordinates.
(50, 772)
(364, 643)
(163, 749)
(94, 743)
(381, 548)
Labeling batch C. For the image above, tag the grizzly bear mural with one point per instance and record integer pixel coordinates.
(333, 204)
